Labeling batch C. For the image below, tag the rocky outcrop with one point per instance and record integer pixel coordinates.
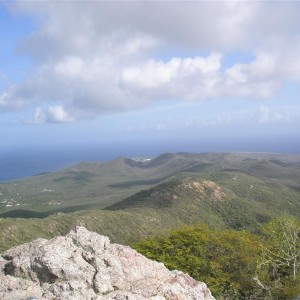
(85, 265)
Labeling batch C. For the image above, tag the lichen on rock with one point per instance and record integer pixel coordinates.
(85, 265)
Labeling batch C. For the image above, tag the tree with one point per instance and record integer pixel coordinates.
(278, 270)
(224, 259)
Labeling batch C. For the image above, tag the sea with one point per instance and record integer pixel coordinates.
(20, 162)
(29, 161)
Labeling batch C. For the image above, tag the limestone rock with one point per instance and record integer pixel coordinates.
(85, 265)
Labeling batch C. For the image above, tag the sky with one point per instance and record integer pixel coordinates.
(150, 76)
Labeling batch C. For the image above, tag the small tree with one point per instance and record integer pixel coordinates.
(280, 258)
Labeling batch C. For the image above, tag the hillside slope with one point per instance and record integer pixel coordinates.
(222, 190)
(87, 185)
(97, 185)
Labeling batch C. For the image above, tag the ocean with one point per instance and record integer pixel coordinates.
(28, 161)
(19, 162)
(24, 162)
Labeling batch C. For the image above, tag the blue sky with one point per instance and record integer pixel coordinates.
(158, 76)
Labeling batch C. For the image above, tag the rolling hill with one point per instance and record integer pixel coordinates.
(87, 185)
(126, 199)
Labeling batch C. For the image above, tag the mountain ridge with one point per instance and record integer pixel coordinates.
(253, 190)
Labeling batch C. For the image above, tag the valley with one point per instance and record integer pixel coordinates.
(127, 199)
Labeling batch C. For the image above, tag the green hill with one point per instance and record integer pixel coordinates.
(86, 185)
(97, 185)
(127, 199)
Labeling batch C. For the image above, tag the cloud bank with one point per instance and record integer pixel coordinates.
(105, 57)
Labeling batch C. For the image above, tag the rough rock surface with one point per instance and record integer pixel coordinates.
(85, 265)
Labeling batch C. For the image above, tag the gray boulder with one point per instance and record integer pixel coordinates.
(85, 265)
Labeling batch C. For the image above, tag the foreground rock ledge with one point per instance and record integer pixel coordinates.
(85, 265)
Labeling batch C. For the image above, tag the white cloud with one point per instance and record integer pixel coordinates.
(266, 114)
(3, 97)
(177, 78)
(202, 77)
(57, 114)
(223, 25)
(259, 79)
(54, 114)
(38, 117)
(253, 117)
(104, 57)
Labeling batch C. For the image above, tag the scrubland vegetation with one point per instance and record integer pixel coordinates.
(238, 215)
(234, 264)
